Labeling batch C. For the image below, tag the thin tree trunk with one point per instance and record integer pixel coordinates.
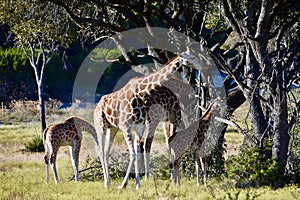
(42, 106)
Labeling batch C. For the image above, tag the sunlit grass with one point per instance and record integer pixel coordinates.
(26, 179)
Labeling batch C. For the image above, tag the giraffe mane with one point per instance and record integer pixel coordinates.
(207, 113)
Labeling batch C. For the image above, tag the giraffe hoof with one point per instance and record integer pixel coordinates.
(120, 187)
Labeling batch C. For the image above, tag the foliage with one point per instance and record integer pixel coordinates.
(214, 164)
(254, 167)
(16, 78)
(60, 76)
(30, 21)
(118, 165)
(93, 169)
(187, 164)
(293, 165)
(36, 145)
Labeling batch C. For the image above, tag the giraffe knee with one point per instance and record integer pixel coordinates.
(46, 159)
(52, 159)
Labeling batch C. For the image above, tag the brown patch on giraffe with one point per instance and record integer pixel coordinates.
(108, 110)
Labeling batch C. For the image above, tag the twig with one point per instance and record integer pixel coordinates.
(237, 127)
(2, 108)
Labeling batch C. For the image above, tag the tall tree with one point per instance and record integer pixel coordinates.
(268, 33)
(39, 29)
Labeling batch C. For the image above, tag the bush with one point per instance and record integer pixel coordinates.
(293, 164)
(118, 166)
(254, 167)
(36, 145)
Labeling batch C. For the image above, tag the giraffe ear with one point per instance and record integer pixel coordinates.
(188, 59)
(183, 61)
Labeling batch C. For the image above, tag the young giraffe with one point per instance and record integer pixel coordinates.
(66, 133)
(127, 109)
(192, 137)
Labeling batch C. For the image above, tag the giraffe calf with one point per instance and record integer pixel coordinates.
(191, 138)
(67, 133)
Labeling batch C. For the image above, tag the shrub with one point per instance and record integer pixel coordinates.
(293, 164)
(187, 164)
(118, 166)
(36, 145)
(254, 167)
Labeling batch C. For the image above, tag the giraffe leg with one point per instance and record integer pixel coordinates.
(47, 171)
(137, 163)
(148, 144)
(175, 172)
(197, 165)
(128, 139)
(106, 156)
(101, 149)
(46, 160)
(74, 152)
(203, 166)
(167, 132)
(139, 130)
(150, 130)
(53, 165)
(169, 129)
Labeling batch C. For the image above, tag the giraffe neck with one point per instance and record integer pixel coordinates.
(207, 115)
(160, 76)
(83, 125)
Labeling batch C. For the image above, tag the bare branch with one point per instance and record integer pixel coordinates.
(263, 20)
(232, 15)
(238, 128)
(82, 20)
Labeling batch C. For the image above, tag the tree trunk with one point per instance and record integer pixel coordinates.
(233, 101)
(258, 120)
(281, 128)
(42, 106)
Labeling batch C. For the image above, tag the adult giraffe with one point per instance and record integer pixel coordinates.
(127, 108)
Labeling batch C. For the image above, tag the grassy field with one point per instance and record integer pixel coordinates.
(22, 175)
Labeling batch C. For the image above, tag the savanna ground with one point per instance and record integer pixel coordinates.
(22, 174)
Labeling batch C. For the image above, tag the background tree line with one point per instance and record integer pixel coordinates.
(254, 43)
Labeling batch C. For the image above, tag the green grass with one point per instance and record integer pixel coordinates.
(25, 179)
(18, 134)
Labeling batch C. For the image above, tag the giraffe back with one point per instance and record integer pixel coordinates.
(61, 134)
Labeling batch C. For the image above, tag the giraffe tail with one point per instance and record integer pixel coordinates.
(46, 160)
(46, 156)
